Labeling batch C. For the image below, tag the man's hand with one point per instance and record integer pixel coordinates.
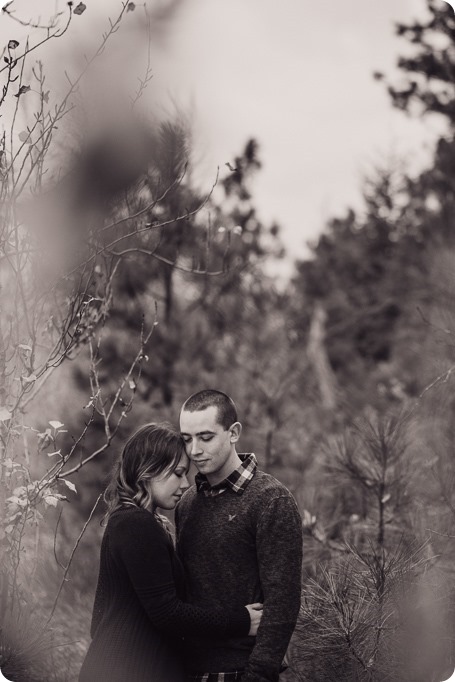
(255, 611)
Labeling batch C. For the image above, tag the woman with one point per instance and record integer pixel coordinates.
(138, 615)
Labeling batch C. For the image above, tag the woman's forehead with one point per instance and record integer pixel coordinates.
(184, 461)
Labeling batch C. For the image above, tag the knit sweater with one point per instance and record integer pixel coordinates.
(138, 616)
(238, 549)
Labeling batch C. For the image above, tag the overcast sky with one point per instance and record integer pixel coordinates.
(297, 75)
(294, 74)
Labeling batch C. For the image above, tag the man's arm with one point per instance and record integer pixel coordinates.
(279, 553)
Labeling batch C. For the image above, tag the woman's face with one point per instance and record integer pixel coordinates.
(168, 488)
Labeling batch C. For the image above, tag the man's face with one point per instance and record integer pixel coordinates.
(208, 444)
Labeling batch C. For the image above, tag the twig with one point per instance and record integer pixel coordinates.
(443, 535)
(168, 261)
(64, 579)
(33, 24)
(55, 539)
(110, 434)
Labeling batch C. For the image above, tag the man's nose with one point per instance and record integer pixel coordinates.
(195, 447)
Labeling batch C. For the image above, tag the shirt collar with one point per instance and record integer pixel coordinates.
(237, 481)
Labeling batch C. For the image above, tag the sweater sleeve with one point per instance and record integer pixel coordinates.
(279, 553)
(146, 552)
(98, 608)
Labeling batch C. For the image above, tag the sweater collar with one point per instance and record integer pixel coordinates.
(237, 481)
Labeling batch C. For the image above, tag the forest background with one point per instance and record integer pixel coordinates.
(125, 287)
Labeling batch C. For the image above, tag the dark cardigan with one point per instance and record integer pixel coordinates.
(138, 616)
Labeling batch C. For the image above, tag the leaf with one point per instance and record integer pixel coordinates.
(4, 414)
(56, 424)
(131, 7)
(46, 96)
(30, 379)
(12, 44)
(22, 90)
(80, 9)
(386, 498)
(54, 499)
(70, 485)
(24, 346)
(308, 519)
(131, 384)
(19, 502)
(9, 464)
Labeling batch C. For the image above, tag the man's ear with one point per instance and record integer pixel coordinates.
(235, 431)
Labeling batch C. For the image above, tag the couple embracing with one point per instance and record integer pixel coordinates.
(221, 605)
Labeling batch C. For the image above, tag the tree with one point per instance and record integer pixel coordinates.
(368, 276)
(384, 278)
(65, 238)
(429, 72)
(203, 320)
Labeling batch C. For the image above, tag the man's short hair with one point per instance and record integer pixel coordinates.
(226, 410)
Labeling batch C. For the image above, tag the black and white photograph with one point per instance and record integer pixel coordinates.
(227, 341)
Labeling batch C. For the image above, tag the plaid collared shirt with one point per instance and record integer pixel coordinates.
(232, 676)
(237, 481)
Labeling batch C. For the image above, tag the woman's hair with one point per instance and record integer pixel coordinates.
(152, 450)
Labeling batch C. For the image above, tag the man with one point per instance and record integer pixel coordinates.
(239, 536)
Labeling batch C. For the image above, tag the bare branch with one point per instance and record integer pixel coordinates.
(73, 551)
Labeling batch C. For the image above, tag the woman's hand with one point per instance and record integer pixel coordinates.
(255, 611)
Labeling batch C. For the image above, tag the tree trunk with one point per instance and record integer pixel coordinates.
(317, 355)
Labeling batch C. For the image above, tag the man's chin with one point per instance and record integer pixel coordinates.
(203, 465)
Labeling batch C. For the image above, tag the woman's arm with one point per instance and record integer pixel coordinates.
(98, 608)
(146, 552)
